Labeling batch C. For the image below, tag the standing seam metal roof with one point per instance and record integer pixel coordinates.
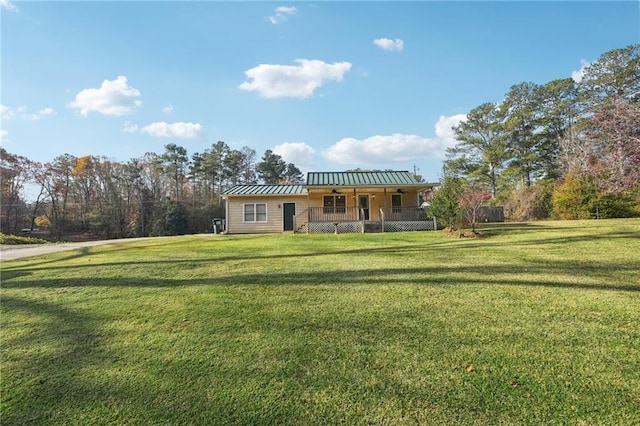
(266, 190)
(360, 178)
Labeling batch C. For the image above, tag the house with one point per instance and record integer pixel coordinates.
(331, 202)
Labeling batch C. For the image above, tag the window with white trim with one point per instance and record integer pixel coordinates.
(333, 204)
(255, 212)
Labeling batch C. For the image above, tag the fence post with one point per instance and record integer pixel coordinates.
(435, 224)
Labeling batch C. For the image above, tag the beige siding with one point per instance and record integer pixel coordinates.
(274, 223)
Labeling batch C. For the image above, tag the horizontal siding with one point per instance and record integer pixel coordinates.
(235, 213)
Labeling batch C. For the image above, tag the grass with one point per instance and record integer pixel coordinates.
(532, 324)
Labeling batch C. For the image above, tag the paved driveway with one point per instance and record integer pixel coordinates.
(27, 250)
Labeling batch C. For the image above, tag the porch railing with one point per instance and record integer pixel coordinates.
(333, 214)
(402, 214)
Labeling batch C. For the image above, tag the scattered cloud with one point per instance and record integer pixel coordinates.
(180, 130)
(40, 114)
(7, 5)
(395, 148)
(293, 81)
(167, 109)
(297, 153)
(282, 13)
(129, 127)
(396, 45)
(114, 97)
(6, 112)
(578, 74)
(3, 135)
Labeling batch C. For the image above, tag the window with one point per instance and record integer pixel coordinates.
(334, 204)
(255, 212)
(396, 203)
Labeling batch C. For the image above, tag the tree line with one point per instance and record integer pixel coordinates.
(157, 194)
(564, 149)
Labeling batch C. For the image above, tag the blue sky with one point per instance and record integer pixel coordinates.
(329, 86)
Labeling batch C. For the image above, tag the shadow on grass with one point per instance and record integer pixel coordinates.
(13, 271)
(529, 274)
(66, 342)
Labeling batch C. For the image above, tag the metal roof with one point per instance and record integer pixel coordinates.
(266, 190)
(393, 178)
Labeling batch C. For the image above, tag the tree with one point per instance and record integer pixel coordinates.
(55, 181)
(175, 161)
(86, 186)
(520, 111)
(471, 199)
(215, 168)
(171, 219)
(615, 73)
(293, 175)
(248, 172)
(444, 204)
(14, 170)
(575, 197)
(614, 133)
(559, 111)
(480, 151)
(234, 165)
(272, 168)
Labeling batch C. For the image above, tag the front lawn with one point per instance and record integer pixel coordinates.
(532, 324)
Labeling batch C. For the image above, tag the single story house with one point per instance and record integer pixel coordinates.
(331, 202)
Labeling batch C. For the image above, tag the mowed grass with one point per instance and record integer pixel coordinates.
(531, 324)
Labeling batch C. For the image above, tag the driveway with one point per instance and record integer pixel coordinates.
(28, 250)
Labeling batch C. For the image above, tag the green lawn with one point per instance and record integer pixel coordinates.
(532, 324)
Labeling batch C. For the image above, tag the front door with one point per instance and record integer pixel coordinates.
(288, 212)
(363, 203)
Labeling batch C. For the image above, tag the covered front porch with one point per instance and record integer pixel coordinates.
(353, 210)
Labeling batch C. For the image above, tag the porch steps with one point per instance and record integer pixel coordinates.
(372, 227)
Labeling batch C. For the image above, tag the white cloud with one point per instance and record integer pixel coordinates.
(395, 148)
(114, 97)
(282, 13)
(6, 4)
(6, 112)
(129, 127)
(578, 74)
(40, 114)
(181, 130)
(293, 81)
(444, 133)
(167, 109)
(3, 135)
(391, 45)
(46, 111)
(297, 153)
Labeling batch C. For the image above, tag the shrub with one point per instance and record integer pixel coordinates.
(533, 203)
(13, 240)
